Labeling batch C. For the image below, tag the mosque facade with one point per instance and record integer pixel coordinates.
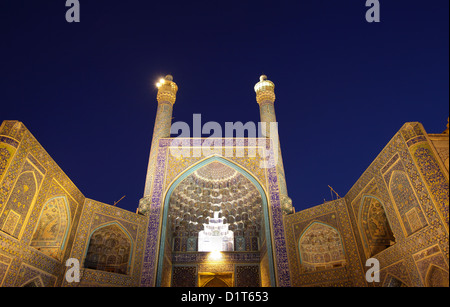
(223, 217)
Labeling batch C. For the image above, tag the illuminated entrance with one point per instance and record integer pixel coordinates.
(215, 224)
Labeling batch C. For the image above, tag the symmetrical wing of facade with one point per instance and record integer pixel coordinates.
(216, 212)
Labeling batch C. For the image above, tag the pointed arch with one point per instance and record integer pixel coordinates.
(19, 203)
(436, 277)
(215, 281)
(374, 225)
(172, 186)
(213, 158)
(406, 202)
(35, 282)
(392, 281)
(320, 246)
(52, 228)
(107, 250)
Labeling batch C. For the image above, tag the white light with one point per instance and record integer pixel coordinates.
(215, 255)
(216, 236)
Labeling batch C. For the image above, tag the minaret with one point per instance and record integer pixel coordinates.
(265, 96)
(167, 93)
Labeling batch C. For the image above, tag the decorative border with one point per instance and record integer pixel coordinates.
(149, 268)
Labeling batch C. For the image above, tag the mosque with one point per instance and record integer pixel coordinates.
(224, 218)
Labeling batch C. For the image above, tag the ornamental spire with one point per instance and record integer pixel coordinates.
(265, 90)
(167, 90)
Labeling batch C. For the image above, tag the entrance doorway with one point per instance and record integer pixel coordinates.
(215, 279)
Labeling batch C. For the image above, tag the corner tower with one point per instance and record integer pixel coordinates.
(265, 96)
(167, 94)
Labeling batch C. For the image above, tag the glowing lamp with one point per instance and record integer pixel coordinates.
(215, 255)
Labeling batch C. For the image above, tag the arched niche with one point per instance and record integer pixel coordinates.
(35, 282)
(374, 226)
(19, 203)
(436, 277)
(407, 203)
(52, 228)
(110, 249)
(215, 282)
(320, 247)
(393, 282)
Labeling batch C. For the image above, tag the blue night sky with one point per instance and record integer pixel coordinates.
(344, 86)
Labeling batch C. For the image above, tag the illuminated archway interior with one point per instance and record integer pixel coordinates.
(216, 208)
(216, 221)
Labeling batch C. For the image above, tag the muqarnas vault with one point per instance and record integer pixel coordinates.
(223, 220)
